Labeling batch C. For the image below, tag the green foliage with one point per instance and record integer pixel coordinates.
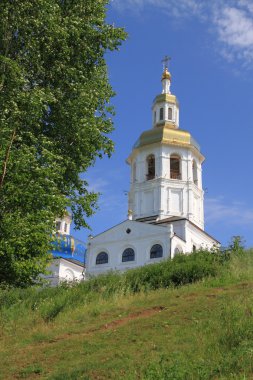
(237, 245)
(183, 269)
(55, 120)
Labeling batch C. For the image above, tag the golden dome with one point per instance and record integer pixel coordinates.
(166, 74)
(167, 135)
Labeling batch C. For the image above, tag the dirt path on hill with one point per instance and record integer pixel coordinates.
(122, 321)
(140, 314)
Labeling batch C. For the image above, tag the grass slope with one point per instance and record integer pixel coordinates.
(108, 330)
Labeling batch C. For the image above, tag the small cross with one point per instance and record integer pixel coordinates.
(165, 62)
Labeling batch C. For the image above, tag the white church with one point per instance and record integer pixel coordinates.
(166, 197)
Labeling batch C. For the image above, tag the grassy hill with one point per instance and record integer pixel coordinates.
(190, 318)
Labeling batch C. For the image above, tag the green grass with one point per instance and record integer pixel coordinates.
(191, 318)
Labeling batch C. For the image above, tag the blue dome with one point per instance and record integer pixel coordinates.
(68, 247)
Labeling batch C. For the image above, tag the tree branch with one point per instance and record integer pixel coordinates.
(7, 157)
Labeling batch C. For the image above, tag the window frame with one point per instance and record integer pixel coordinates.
(195, 172)
(175, 174)
(125, 255)
(161, 114)
(150, 160)
(151, 254)
(134, 172)
(58, 226)
(102, 262)
(170, 113)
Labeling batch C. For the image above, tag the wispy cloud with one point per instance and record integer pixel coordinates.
(230, 21)
(111, 199)
(98, 185)
(234, 27)
(176, 8)
(217, 210)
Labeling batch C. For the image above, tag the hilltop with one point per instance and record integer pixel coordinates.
(191, 318)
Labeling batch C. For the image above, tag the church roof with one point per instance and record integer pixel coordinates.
(76, 262)
(147, 219)
(166, 98)
(165, 134)
(170, 219)
(176, 219)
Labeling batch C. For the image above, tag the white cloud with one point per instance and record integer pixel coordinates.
(234, 27)
(217, 210)
(98, 185)
(177, 8)
(231, 21)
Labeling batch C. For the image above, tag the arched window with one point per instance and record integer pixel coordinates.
(194, 172)
(128, 255)
(161, 113)
(150, 167)
(134, 171)
(154, 117)
(156, 251)
(175, 167)
(170, 113)
(102, 258)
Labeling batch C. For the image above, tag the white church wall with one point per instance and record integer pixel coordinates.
(198, 238)
(177, 246)
(179, 229)
(63, 270)
(114, 241)
(69, 271)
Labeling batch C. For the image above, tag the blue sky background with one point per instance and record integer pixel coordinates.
(211, 45)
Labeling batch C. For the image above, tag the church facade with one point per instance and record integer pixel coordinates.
(166, 197)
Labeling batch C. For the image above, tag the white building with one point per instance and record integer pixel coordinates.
(65, 270)
(166, 198)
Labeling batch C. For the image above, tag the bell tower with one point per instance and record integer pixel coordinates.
(166, 165)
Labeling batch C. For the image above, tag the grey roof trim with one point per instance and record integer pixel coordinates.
(177, 219)
(147, 218)
(75, 262)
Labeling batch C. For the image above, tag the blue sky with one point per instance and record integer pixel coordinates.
(211, 45)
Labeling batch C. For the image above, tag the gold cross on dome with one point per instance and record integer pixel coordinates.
(165, 62)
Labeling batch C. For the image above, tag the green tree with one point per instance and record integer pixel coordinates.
(237, 244)
(55, 117)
